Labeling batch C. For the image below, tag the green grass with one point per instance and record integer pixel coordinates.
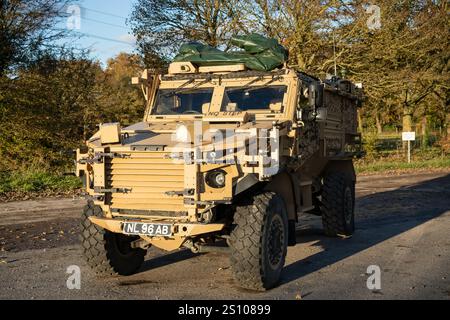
(384, 166)
(37, 181)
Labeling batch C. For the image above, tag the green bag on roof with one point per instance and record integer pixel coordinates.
(259, 53)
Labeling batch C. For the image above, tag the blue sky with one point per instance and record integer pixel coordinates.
(103, 27)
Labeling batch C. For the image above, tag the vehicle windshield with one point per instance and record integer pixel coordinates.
(254, 98)
(182, 101)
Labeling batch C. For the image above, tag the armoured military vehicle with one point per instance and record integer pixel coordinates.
(225, 159)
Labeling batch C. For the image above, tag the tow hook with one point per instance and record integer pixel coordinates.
(204, 248)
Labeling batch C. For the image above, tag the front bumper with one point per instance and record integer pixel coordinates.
(180, 231)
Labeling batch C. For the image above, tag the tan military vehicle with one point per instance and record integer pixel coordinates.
(226, 159)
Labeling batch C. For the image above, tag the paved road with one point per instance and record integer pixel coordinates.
(403, 226)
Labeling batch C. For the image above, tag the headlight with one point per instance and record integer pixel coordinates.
(215, 179)
(182, 134)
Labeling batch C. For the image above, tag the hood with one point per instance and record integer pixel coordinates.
(165, 136)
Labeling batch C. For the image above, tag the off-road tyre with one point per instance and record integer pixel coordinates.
(338, 204)
(108, 253)
(259, 241)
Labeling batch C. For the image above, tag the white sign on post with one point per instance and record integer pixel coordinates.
(408, 136)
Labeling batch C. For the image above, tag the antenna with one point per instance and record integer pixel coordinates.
(334, 55)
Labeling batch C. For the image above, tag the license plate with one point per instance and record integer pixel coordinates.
(148, 229)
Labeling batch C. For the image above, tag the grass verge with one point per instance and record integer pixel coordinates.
(25, 184)
(383, 166)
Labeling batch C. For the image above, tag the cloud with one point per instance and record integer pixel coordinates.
(128, 38)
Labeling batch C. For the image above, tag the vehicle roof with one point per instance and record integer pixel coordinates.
(237, 74)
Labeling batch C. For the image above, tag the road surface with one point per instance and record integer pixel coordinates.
(403, 228)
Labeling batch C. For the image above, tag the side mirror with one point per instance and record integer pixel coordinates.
(315, 95)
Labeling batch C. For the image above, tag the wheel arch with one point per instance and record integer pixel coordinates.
(341, 165)
(284, 185)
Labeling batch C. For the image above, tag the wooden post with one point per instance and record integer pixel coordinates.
(409, 151)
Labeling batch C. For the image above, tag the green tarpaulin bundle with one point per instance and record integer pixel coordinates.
(260, 53)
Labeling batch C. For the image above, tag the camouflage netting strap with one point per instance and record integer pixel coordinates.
(260, 53)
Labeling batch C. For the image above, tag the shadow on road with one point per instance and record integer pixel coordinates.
(380, 216)
(166, 259)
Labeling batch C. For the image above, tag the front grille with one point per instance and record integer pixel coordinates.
(148, 175)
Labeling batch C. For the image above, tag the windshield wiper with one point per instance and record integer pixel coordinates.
(248, 85)
(186, 83)
(273, 80)
(182, 90)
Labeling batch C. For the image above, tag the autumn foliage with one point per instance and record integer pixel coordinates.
(52, 96)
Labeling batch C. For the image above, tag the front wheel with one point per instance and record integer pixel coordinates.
(108, 253)
(259, 242)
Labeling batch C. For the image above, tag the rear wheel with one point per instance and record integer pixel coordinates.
(106, 252)
(338, 203)
(259, 242)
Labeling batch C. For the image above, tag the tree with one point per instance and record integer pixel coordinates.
(401, 59)
(401, 62)
(119, 100)
(43, 111)
(27, 27)
(160, 26)
(304, 27)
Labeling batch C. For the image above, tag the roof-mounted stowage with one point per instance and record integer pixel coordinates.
(188, 67)
(258, 53)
